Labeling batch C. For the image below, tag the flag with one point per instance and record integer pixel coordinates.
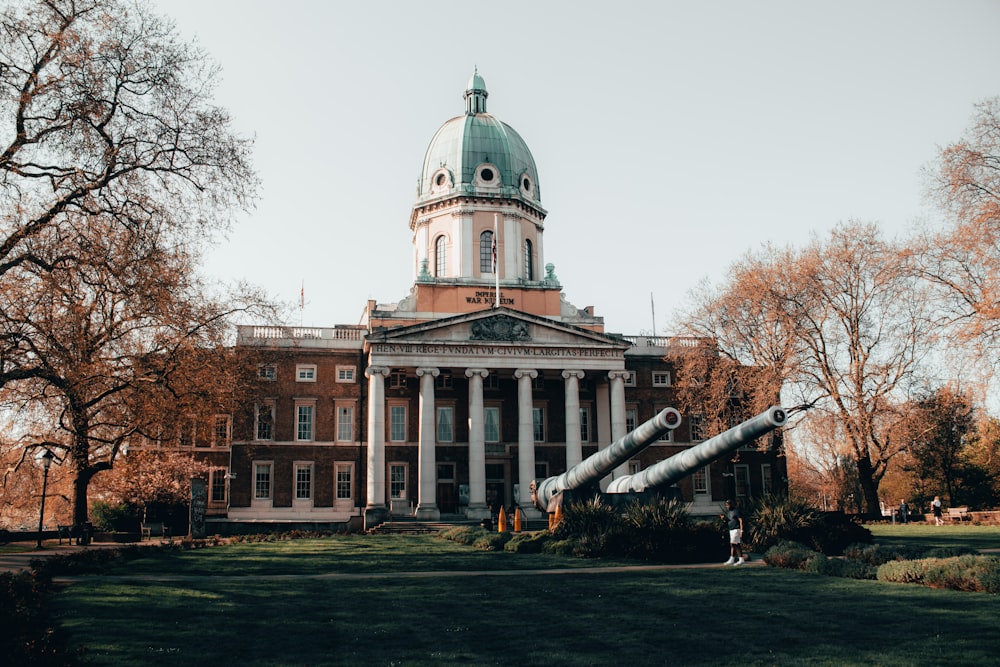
(494, 244)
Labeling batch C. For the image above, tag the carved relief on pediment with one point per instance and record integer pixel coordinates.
(500, 328)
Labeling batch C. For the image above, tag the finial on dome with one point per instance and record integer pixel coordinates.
(475, 94)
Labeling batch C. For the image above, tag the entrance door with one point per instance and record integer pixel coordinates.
(447, 491)
(498, 490)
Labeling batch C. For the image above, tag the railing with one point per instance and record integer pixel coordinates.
(350, 333)
(666, 341)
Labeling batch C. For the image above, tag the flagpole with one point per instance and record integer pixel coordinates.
(496, 259)
(302, 302)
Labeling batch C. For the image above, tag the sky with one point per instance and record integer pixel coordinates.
(670, 138)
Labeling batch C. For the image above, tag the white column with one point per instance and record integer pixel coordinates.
(376, 436)
(426, 472)
(525, 440)
(618, 415)
(477, 445)
(574, 447)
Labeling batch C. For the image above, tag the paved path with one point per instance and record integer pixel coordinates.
(16, 562)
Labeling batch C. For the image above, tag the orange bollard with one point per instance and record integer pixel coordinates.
(502, 521)
(517, 519)
(557, 517)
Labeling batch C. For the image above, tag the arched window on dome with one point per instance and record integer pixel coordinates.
(440, 257)
(486, 252)
(529, 261)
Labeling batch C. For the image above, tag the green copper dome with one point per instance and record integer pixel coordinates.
(477, 154)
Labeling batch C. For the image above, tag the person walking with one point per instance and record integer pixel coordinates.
(936, 510)
(734, 519)
(904, 511)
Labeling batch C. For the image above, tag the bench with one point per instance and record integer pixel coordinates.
(154, 529)
(958, 514)
(64, 531)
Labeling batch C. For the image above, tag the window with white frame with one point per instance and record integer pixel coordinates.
(346, 373)
(630, 379)
(344, 480)
(486, 252)
(631, 419)
(445, 424)
(303, 481)
(661, 378)
(634, 467)
(538, 423)
(264, 421)
(440, 257)
(397, 378)
(397, 481)
(700, 481)
(262, 480)
(305, 419)
(397, 423)
(305, 372)
(267, 372)
(491, 423)
(585, 424)
(765, 478)
(222, 430)
(529, 261)
(696, 426)
(217, 485)
(742, 480)
(345, 422)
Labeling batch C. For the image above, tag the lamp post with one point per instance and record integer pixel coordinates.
(46, 464)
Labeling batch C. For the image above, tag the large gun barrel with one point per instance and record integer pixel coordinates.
(590, 471)
(679, 466)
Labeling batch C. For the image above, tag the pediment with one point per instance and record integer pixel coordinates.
(500, 325)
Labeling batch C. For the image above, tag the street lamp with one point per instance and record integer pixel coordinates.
(46, 464)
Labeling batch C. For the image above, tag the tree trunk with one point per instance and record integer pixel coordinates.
(869, 487)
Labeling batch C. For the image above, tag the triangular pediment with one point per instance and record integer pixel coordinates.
(497, 325)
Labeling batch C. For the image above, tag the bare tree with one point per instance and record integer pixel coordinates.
(840, 324)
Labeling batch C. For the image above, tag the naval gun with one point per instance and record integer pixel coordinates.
(677, 467)
(587, 473)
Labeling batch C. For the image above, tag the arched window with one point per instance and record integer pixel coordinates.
(529, 261)
(486, 251)
(440, 257)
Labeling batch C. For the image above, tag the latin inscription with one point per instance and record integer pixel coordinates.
(492, 350)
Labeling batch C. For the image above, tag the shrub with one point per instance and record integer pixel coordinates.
(528, 543)
(877, 554)
(114, 517)
(832, 532)
(948, 552)
(565, 547)
(464, 534)
(774, 518)
(787, 554)
(903, 571)
(595, 526)
(839, 567)
(29, 636)
(492, 541)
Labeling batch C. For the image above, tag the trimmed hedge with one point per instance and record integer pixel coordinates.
(28, 636)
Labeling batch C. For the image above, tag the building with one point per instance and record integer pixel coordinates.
(449, 402)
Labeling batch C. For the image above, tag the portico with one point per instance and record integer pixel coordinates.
(510, 350)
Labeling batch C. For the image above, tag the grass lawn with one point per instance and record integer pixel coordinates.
(948, 535)
(261, 613)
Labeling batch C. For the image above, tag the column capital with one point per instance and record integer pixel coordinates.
(525, 372)
(573, 374)
(376, 370)
(619, 375)
(481, 372)
(433, 372)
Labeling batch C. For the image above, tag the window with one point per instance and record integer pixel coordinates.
(700, 481)
(397, 423)
(538, 382)
(344, 475)
(264, 429)
(634, 467)
(696, 424)
(443, 381)
(446, 424)
(538, 424)
(305, 373)
(345, 423)
(397, 378)
(346, 373)
(765, 478)
(267, 372)
(221, 430)
(541, 470)
(217, 485)
(630, 379)
(661, 378)
(304, 417)
(262, 480)
(397, 481)
(529, 261)
(486, 251)
(491, 381)
(186, 435)
(491, 424)
(440, 257)
(742, 480)
(584, 424)
(631, 419)
(303, 481)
